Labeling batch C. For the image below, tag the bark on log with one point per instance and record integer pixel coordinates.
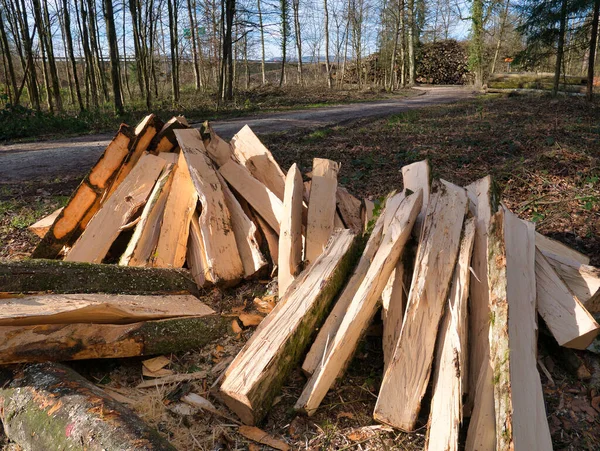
(33, 276)
(49, 406)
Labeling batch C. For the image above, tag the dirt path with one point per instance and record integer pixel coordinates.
(74, 156)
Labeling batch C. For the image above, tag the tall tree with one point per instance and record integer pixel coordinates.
(285, 32)
(113, 47)
(191, 4)
(327, 67)
(8, 55)
(592, 50)
(262, 42)
(298, 34)
(174, 44)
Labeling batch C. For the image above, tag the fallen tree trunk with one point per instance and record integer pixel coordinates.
(49, 406)
(33, 276)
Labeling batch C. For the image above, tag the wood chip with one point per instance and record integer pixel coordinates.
(157, 363)
(163, 372)
(260, 436)
(264, 305)
(249, 319)
(236, 326)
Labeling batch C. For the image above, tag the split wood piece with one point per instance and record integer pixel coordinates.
(348, 208)
(50, 406)
(96, 308)
(217, 148)
(145, 131)
(367, 210)
(105, 226)
(259, 370)
(593, 303)
(222, 256)
(61, 342)
(41, 227)
(582, 280)
(35, 276)
(521, 422)
(196, 255)
(173, 379)
(363, 306)
(414, 176)
(164, 140)
(290, 235)
(404, 386)
(550, 246)
(321, 207)
(85, 201)
(337, 220)
(327, 332)
(175, 228)
(250, 152)
(262, 199)
(568, 320)
(145, 237)
(479, 403)
(260, 436)
(446, 413)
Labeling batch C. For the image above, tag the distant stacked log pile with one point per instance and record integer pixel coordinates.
(442, 63)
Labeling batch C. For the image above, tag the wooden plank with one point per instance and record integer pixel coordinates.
(290, 235)
(414, 176)
(348, 208)
(568, 320)
(222, 255)
(145, 236)
(250, 152)
(550, 246)
(582, 280)
(446, 413)
(196, 255)
(404, 386)
(321, 207)
(62, 342)
(85, 201)
(164, 140)
(259, 371)
(179, 208)
(521, 422)
(96, 308)
(479, 403)
(41, 227)
(105, 226)
(363, 306)
(217, 148)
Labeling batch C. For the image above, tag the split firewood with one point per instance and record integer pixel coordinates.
(222, 256)
(479, 403)
(404, 386)
(164, 140)
(348, 208)
(61, 342)
(521, 422)
(250, 152)
(145, 131)
(217, 148)
(446, 413)
(270, 237)
(258, 372)
(582, 280)
(105, 226)
(34, 276)
(550, 246)
(290, 234)
(261, 198)
(50, 406)
(96, 308)
(179, 208)
(260, 436)
(85, 201)
(593, 304)
(145, 237)
(414, 176)
(568, 320)
(321, 207)
(41, 227)
(366, 212)
(196, 255)
(363, 306)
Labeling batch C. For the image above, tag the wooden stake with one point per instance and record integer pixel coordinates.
(404, 386)
(417, 175)
(259, 371)
(363, 306)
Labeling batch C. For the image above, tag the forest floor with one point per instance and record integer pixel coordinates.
(545, 156)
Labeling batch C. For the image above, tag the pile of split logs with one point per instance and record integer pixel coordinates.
(459, 280)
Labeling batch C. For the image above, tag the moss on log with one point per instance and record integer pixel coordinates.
(49, 406)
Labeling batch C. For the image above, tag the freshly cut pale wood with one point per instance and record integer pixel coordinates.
(222, 255)
(262, 199)
(179, 208)
(260, 436)
(164, 140)
(321, 207)
(270, 237)
(105, 226)
(196, 255)
(366, 212)
(85, 201)
(363, 306)
(290, 235)
(568, 320)
(156, 363)
(145, 237)
(446, 415)
(260, 369)
(348, 207)
(41, 227)
(96, 308)
(249, 151)
(404, 386)
(479, 403)
(415, 176)
(218, 149)
(521, 422)
(550, 246)
(582, 280)
(173, 379)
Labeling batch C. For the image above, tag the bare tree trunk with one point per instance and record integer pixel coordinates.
(411, 42)
(246, 66)
(327, 67)
(502, 27)
(111, 31)
(592, 51)
(93, 36)
(193, 25)
(284, 38)
(51, 60)
(296, 7)
(125, 68)
(347, 37)
(71, 54)
(89, 59)
(9, 63)
(561, 46)
(172, 7)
